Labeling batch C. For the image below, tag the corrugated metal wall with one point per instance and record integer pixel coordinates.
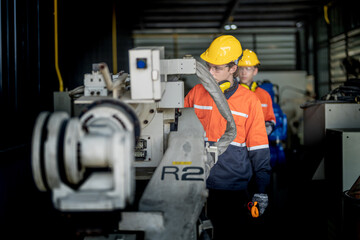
(335, 40)
(342, 46)
(277, 51)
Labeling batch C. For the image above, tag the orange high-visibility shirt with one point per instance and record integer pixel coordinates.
(246, 110)
(249, 152)
(266, 104)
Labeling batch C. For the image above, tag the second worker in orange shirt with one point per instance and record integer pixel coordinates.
(248, 68)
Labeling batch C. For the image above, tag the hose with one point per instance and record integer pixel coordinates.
(210, 84)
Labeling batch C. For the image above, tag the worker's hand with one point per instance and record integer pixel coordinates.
(262, 200)
(269, 127)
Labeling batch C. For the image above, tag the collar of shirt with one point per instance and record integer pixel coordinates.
(232, 89)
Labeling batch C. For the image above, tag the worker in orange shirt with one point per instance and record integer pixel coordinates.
(249, 152)
(248, 68)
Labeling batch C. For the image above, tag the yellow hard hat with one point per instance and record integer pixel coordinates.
(248, 59)
(222, 50)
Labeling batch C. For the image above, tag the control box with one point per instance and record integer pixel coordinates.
(145, 73)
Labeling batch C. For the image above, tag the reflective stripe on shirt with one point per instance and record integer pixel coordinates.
(258, 147)
(238, 144)
(203, 107)
(240, 114)
(232, 143)
(264, 105)
(210, 108)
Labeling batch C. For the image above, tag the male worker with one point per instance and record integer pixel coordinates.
(248, 68)
(247, 154)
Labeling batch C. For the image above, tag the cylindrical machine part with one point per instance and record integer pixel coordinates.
(74, 170)
(37, 150)
(64, 148)
(94, 151)
(55, 131)
(47, 149)
(114, 114)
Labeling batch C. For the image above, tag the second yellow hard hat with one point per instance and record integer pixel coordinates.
(248, 59)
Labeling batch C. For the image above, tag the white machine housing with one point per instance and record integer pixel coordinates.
(170, 151)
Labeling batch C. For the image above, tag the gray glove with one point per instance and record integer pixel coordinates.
(262, 200)
(269, 127)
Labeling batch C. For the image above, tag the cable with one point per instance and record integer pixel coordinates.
(326, 12)
(61, 86)
(342, 94)
(114, 41)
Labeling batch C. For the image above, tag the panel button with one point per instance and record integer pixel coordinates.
(141, 63)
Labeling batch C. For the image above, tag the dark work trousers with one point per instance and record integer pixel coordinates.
(228, 213)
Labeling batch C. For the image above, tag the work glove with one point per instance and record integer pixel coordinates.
(269, 127)
(262, 200)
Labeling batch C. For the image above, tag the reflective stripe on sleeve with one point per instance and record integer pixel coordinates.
(264, 105)
(232, 143)
(203, 107)
(238, 144)
(240, 114)
(258, 147)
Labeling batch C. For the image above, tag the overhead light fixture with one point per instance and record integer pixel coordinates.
(230, 27)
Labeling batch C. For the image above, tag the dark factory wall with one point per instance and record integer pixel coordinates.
(27, 82)
(27, 75)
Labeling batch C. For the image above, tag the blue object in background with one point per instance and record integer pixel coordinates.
(280, 131)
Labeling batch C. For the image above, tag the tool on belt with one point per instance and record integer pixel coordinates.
(254, 209)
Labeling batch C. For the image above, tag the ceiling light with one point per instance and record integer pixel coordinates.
(230, 27)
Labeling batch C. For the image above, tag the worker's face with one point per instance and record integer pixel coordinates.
(222, 72)
(246, 74)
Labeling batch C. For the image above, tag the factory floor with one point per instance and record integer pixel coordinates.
(303, 208)
(298, 206)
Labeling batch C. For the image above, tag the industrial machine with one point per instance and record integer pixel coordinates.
(331, 140)
(127, 129)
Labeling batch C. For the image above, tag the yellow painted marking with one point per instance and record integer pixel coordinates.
(181, 163)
